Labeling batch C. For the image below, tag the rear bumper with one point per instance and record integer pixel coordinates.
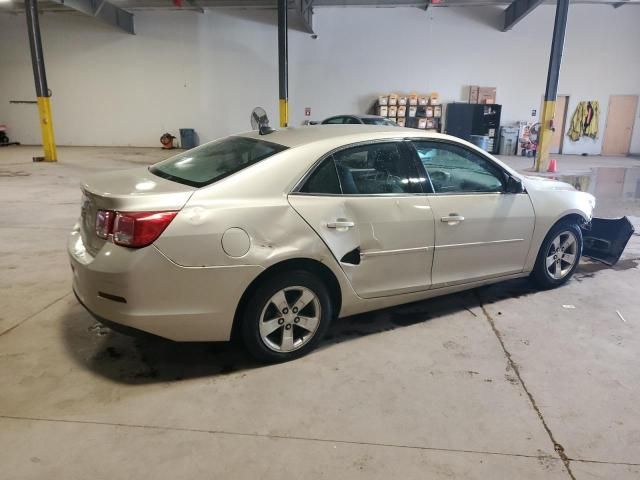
(143, 290)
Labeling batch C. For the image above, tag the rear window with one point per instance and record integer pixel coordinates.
(214, 161)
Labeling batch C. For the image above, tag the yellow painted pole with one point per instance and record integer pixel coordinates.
(546, 134)
(46, 125)
(284, 112)
(42, 90)
(553, 74)
(283, 62)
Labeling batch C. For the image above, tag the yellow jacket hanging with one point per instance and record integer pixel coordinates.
(585, 121)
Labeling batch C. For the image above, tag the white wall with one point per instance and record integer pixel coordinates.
(207, 71)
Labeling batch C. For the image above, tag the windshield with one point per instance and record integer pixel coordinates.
(378, 121)
(215, 160)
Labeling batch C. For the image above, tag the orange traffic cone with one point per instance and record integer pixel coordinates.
(553, 166)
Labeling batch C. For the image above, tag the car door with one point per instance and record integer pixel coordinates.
(482, 231)
(367, 204)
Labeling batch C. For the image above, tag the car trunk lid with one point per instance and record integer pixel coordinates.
(135, 190)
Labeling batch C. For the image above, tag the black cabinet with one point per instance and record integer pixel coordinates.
(466, 119)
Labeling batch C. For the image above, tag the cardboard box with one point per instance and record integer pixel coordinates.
(393, 111)
(434, 98)
(401, 122)
(437, 111)
(423, 100)
(487, 95)
(383, 100)
(413, 99)
(474, 92)
(422, 123)
(402, 100)
(412, 111)
(402, 111)
(428, 112)
(383, 110)
(393, 99)
(430, 124)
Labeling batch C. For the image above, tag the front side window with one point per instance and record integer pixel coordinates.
(215, 160)
(454, 169)
(376, 168)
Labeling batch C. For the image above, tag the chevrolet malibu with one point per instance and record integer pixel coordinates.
(274, 235)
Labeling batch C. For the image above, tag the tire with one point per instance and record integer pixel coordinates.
(275, 328)
(555, 253)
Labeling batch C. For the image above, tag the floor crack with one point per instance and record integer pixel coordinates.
(278, 437)
(514, 366)
(29, 317)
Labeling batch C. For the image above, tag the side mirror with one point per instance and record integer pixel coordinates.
(514, 185)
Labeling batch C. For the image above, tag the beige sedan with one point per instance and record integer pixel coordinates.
(273, 236)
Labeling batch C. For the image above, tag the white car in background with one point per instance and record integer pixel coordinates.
(276, 235)
(358, 120)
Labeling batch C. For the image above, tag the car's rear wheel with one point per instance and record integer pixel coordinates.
(559, 255)
(286, 317)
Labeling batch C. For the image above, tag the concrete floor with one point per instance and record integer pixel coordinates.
(500, 382)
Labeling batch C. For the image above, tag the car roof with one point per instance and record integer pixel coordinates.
(297, 136)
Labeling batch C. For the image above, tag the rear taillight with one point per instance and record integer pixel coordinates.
(132, 229)
(104, 223)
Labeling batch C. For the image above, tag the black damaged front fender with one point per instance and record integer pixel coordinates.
(605, 239)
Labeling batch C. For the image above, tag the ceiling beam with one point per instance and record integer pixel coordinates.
(103, 11)
(304, 9)
(517, 11)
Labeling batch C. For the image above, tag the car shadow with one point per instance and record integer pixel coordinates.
(145, 359)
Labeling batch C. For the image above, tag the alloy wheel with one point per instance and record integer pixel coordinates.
(290, 319)
(562, 255)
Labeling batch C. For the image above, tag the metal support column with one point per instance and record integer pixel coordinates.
(548, 110)
(42, 89)
(283, 62)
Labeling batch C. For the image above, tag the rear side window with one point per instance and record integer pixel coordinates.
(214, 161)
(334, 120)
(323, 180)
(376, 169)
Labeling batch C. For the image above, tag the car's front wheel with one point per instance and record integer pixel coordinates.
(559, 255)
(286, 317)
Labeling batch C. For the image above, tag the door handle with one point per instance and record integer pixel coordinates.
(341, 224)
(452, 219)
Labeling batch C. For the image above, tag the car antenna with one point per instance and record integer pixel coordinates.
(260, 121)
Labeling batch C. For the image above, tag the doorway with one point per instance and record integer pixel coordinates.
(621, 116)
(559, 122)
